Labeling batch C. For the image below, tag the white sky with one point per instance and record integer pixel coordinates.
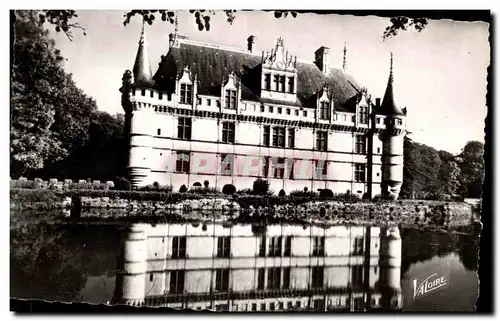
(440, 73)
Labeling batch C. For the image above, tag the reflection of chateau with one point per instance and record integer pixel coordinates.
(250, 268)
(228, 116)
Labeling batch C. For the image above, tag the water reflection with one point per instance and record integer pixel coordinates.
(260, 268)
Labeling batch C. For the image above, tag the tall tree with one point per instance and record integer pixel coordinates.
(36, 67)
(50, 115)
(471, 162)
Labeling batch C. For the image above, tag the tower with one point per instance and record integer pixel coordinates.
(392, 142)
(390, 256)
(132, 265)
(137, 94)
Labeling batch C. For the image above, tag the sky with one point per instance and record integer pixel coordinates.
(439, 73)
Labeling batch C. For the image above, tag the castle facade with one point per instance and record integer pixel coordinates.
(218, 115)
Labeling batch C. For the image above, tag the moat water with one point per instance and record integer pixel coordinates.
(208, 265)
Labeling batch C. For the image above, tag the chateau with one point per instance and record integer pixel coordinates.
(229, 116)
(260, 268)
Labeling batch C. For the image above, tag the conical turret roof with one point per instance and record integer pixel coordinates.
(389, 106)
(143, 77)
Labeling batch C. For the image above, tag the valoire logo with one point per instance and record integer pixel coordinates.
(430, 284)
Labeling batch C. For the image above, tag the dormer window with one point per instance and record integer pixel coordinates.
(363, 115)
(276, 82)
(186, 93)
(324, 110)
(230, 102)
(267, 81)
(291, 84)
(282, 83)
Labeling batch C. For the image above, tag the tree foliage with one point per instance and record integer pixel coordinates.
(64, 20)
(55, 126)
(433, 174)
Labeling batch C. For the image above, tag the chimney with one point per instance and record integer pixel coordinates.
(250, 43)
(321, 59)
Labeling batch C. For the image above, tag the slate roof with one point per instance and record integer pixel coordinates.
(388, 106)
(143, 76)
(212, 65)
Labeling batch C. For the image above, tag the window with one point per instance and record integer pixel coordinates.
(182, 163)
(360, 146)
(279, 171)
(160, 96)
(271, 109)
(324, 110)
(399, 121)
(280, 110)
(320, 168)
(184, 128)
(217, 102)
(267, 81)
(230, 101)
(282, 83)
(378, 120)
(273, 278)
(177, 281)
(296, 112)
(276, 82)
(178, 247)
(319, 304)
(267, 134)
(143, 92)
(318, 246)
(226, 164)
(199, 101)
(254, 306)
(262, 306)
(260, 278)
(359, 172)
(151, 94)
(286, 278)
(281, 306)
(322, 141)
(358, 304)
(275, 246)
(169, 97)
(278, 136)
(228, 132)
(209, 102)
(158, 132)
(353, 118)
(291, 86)
(262, 246)
(291, 137)
(357, 275)
(222, 280)
(288, 111)
(265, 168)
(358, 246)
(288, 246)
(186, 93)
(304, 113)
(378, 150)
(317, 277)
(363, 115)
(262, 108)
(223, 246)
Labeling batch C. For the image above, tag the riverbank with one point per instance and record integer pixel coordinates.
(119, 205)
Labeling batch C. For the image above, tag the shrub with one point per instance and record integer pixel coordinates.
(122, 184)
(306, 189)
(228, 189)
(260, 186)
(197, 184)
(206, 183)
(326, 193)
(282, 193)
(183, 189)
(156, 185)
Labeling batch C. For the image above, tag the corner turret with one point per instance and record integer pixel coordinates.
(392, 142)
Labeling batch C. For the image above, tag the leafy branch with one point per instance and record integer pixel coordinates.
(403, 23)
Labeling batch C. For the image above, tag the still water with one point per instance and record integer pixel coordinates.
(244, 267)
